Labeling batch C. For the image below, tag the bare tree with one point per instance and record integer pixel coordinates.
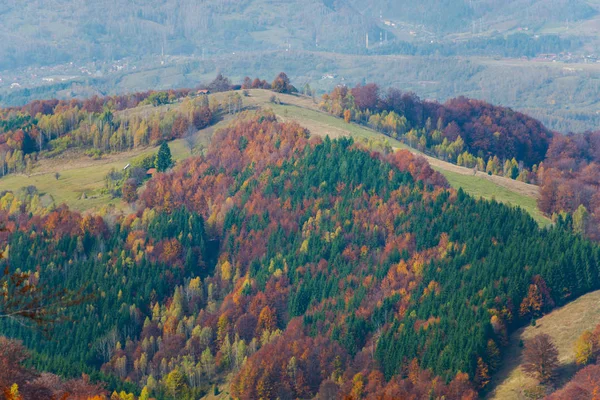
(105, 346)
(40, 140)
(190, 138)
(3, 157)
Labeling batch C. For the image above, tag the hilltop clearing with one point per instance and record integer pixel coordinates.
(80, 179)
(304, 111)
(81, 174)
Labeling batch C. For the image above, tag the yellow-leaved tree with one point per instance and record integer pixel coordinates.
(585, 348)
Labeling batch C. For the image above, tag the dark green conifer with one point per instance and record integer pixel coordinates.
(164, 160)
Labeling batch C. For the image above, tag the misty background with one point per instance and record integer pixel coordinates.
(537, 56)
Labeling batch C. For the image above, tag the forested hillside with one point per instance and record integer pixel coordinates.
(410, 211)
(471, 133)
(465, 131)
(101, 125)
(59, 31)
(487, 138)
(302, 266)
(570, 181)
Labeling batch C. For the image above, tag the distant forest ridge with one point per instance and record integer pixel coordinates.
(113, 29)
(501, 52)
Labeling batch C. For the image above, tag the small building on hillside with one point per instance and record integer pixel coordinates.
(202, 92)
(151, 172)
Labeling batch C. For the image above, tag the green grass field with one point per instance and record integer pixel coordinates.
(330, 125)
(89, 179)
(479, 187)
(69, 187)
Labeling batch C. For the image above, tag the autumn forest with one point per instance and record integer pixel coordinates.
(275, 263)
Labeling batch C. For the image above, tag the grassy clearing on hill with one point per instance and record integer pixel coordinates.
(79, 174)
(564, 326)
(305, 112)
(322, 124)
(83, 176)
(480, 187)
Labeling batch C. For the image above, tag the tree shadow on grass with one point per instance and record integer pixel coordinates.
(564, 373)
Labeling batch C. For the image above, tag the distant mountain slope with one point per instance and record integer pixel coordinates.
(451, 16)
(52, 31)
(58, 31)
(440, 49)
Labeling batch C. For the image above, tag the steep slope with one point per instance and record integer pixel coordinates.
(259, 218)
(564, 326)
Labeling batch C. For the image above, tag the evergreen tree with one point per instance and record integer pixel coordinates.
(163, 160)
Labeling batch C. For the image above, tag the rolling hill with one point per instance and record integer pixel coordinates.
(80, 174)
(404, 213)
(296, 265)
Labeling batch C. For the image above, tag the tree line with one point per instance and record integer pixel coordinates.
(487, 138)
(467, 132)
